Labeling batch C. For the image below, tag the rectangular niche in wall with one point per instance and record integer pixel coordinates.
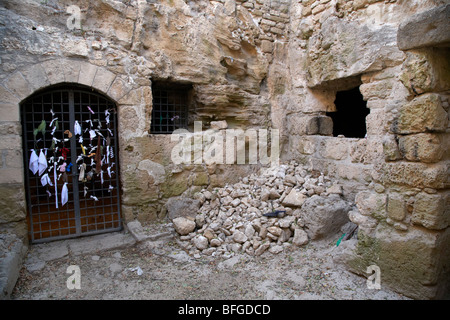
(349, 119)
(170, 107)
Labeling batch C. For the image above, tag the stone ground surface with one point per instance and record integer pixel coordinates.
(108, 271)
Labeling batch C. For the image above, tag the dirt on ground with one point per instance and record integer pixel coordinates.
(162, 270)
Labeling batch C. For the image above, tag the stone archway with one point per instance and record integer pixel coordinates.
(132, 101)
(71, 163)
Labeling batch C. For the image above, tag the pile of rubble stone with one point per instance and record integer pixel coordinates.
(280, 207)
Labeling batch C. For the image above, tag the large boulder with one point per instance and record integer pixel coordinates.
(182, 207)
(324, 216)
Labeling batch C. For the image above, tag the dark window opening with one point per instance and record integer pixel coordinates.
(349, 119)
(170, 107)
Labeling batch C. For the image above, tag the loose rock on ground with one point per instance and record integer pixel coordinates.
(280, 207)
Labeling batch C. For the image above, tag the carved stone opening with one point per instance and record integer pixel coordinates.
(349, 119)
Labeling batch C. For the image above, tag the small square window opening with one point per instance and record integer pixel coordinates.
(170, 108)
(349, 119)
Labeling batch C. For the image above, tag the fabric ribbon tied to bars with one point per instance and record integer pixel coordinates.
(45, 179)
(76, 128)
(64, 152)
(42, 163)
(34, 162)
(64, 194)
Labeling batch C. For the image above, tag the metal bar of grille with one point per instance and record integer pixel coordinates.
(73, 156)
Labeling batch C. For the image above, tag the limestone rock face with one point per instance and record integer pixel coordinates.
(343, 49)
(426, 29)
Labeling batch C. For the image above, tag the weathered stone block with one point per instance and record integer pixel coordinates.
(133, 97)
(304, 145)
(75, 48)
(87, 73)
(419, 276)
(133, 122)
(9, 112)
(365, 223)
(103, 79)
(119, 88)
(346, 49)
(11, 263)
(71, 70)
(334, 148)
(153, 169)
(300, 237)
(361, 150)
(13, 158)
(36, 77)
(138, 189)
(426, 70)
(10, 127)
(266, 46)
(12, 203)
(18, 85)
(294, 199)
(8, 97)
(219, 125)
(376, 122)
(11, 175)
(175, 185)
(54, 71)
(417, 175)
(10, 142)
(310, 125)
(396, 207)
(424, 113)
(425, 29)
(390, 148)
(371, 204)
(432, 210)
(377, 90)
(200, 179)
(423, 147)
(350, 171)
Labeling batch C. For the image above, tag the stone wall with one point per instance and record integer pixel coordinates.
(121, 48)
(257, 64)
(398, 174)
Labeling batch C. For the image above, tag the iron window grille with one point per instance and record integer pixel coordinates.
(170, 108)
